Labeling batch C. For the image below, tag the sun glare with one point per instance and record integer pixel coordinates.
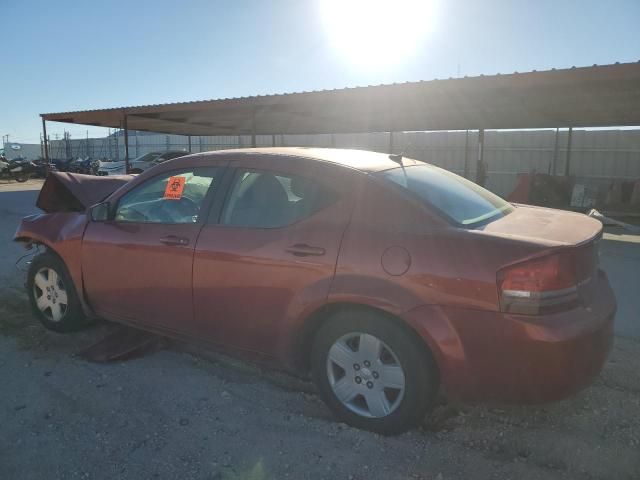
(377, 33)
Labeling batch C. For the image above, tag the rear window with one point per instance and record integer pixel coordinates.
(460, 200)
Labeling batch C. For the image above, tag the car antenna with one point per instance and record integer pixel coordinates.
(396, 158)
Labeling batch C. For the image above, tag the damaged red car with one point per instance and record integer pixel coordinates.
(382, 277)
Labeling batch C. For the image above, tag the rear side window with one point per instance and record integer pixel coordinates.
(269, 200)
(460, 200)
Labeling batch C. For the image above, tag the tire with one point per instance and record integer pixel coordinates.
(21, 178)
(388, 394)
(59, 308)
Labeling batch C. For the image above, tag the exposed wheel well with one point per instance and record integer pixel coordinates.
(317, 318)
(40, 246)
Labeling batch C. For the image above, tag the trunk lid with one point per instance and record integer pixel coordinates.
(574, 236)
(545, 227)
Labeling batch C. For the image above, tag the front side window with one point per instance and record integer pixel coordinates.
(460, 200)
(172, 197)
(268, 200)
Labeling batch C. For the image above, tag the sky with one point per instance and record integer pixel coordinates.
(62, 55)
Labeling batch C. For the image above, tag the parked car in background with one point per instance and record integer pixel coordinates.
(138, 164)
(62, 164)
(381, 276)
(42, 168)
(141, 163)
(81, 165)
(110, 167)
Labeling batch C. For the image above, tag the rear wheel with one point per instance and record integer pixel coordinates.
(53, 296)
(22, 177)
(372, 372)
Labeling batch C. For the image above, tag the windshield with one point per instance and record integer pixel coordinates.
(459, 199)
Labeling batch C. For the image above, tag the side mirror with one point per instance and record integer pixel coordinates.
(100, 212)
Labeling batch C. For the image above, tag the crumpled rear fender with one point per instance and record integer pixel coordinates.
(61, 233)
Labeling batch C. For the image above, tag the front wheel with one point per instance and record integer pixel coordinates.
(373, 373)
(22, 177)
(52, 295)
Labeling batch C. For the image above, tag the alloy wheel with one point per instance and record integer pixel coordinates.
(365, 375)
(50, 294)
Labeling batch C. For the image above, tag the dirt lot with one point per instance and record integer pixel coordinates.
(180, 413)
(184, 414)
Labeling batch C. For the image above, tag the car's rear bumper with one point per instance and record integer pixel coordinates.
(517, 358)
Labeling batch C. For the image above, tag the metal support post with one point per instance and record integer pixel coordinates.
(466, 154)
(253, 129)
(126, 144)
(481, 168)
(554, 162)
(567, 163)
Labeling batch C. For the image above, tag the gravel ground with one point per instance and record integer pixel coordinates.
(186, 414)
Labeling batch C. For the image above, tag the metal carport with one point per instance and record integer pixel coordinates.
(596, 96)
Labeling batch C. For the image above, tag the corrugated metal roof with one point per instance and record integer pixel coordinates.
(580, 97)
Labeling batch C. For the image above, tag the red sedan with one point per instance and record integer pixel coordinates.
(383, 277)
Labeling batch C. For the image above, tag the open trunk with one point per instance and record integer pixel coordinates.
(75, 192)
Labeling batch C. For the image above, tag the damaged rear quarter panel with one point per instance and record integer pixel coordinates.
(62, 233)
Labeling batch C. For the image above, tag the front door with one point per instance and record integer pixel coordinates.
(269, 256)
(138, 266)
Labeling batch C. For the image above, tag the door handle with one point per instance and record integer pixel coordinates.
(174, 240)
(304, 250)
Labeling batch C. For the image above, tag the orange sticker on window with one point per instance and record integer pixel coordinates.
(174, 189)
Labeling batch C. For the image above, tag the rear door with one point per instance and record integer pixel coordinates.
(269, 254)
(138, 266)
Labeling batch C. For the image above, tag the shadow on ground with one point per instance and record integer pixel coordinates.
(208, 416)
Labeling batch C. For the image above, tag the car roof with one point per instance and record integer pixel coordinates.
(362, 160)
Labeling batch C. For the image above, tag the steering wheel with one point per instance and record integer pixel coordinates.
(175, 211)
(187, 207)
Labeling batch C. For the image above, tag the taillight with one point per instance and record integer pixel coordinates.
(541, 285)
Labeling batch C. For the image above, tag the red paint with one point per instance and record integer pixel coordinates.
(129, 274)
(249, 290)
